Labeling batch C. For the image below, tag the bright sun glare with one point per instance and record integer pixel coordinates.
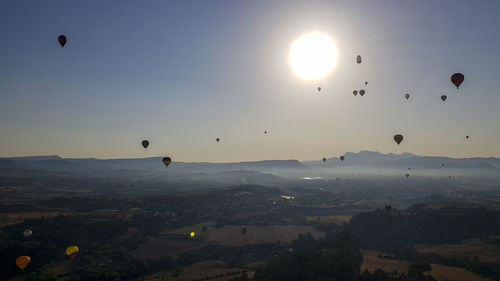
(313, 55)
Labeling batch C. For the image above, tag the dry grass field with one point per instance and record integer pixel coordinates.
(468, 248)
(444, 272)
(329, 220)
(371, 261)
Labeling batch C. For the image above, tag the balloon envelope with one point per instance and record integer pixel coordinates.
(71, 251)
(192, 234)
(355, 92)
(407, 96)
(62, 40)
(145, 143)
(27, 233)
(23, 261)
(407, 175)
(362, 92)
(358, 59)
(217, 140)
(324, 159)
(319, 89)
(166, 161)
(457, 79)
(342, 158)
(398, 138)
(443, 97)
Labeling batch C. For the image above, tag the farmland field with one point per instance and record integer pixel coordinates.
(469, 248)
(444, 272)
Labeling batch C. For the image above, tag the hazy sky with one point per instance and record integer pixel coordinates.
(182, 73)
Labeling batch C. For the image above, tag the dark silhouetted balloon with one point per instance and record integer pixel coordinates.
(319, 89)
(398, 138)
(324, 159)
(166, 161)
(358, 59)
(467, 137)
(145, 144)
(407, 175)
(388, 209)
(409, 168)
(217, 140)
(362, 92)
(342, 158)
(443, 97)
(355, 92)
(457, 79)
(366, 83)
(442, 164)
(265, 132)
(407, 96)
(62, 40)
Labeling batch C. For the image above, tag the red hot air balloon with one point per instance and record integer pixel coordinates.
(457, 79)
(62, 40)
(443, 97)
(398, 139)
(355, 92)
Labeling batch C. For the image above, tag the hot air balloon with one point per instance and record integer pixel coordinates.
(366, 83)
(398, 138)
(324, 159)
(388, 209)
(342, 158)
(265, 132)
(442, 164)
(443, 97)
(457, 79)
(319, 89)
(192, 234)
(355, 92)
(407, 175)
(62, 40)
(27, 233)
(145, 144)
(358, 59)
(217, 140)
(72, 251)
(467, 137)
(407, 96)
(22, 262)
(166, 161)
(362, 92)
(409, 168)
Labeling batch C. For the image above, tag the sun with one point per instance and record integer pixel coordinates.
(313, 55)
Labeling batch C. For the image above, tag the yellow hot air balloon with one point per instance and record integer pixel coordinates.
(192, 234)
(71, 251)
(22, 262)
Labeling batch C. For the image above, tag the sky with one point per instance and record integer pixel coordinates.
(183, 73)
